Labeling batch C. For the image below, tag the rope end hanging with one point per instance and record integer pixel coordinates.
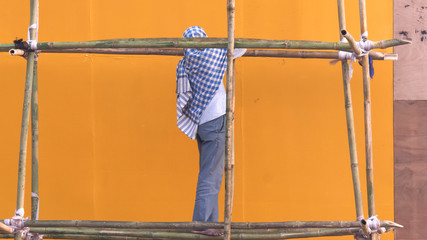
(371, 67)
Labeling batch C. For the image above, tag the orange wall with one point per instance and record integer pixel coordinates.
(109, 146)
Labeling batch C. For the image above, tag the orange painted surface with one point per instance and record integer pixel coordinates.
(109, 146)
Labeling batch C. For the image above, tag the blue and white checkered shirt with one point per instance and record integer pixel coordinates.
(198, 76)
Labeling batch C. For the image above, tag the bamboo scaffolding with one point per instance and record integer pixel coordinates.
(229, 123)
(191, 225)
(180, 52)
(350, 120)
(150, 230)
(35, 147)
(205, 43)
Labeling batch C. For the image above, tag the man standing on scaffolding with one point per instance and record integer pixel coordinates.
(201, 106)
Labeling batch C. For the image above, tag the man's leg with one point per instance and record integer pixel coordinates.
(211, 143)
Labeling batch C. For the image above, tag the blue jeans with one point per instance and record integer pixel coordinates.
(211, 143)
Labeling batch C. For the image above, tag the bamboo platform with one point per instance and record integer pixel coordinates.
(362, 228)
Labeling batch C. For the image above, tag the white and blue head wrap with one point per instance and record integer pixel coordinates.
(198, 77)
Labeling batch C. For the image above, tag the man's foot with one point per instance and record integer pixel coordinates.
(209, 232)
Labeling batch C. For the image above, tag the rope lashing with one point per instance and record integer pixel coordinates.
(34, 195)
(27, 235)
(375, 225)
(365, 46)
(17, 221)
(369, 226)
(364, 35)
(32, 42)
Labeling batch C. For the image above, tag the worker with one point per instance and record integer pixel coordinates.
(201, 106)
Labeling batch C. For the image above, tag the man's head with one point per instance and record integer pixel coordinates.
(194, 31)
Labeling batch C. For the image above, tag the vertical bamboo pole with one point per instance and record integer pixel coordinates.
(350, 121)
(26, 116)
(368, 125)
(367, 117)
(229, 147)
(35, 147)
(24, 136)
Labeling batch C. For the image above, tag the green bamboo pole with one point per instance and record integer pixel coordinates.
(350, 122)
(5, 228)
(368, 124)
(335, 232)
(367, 118)
(205, 43)
(169, 235)
(351, 41)
(35, 147)
(229, 147)
(192, 225)
(24, 132)
(249, 53)
(25, 117)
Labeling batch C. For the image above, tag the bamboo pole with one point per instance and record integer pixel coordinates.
(350, 120)
(5, 229)
(25, 117)
(249, 53)
(35, 147)
(24, 132)
(368, 124)
(234, 236)
(191, 225)
(367, 117)
(229, 123)
(169, 235)
(205, 43)
(351, 41)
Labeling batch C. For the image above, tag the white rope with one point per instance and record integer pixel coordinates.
(361, 235)
(364, 35)
(34, 236)
(27, 235)
(20, 212)
(34, 195)
(365, 46)
(17, 221)
(375, 225)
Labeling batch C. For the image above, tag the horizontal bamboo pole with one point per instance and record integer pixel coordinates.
(191, 225)
(6, 229)
(173, 235)
(205, 43)
(96, 237)
(249, 53)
